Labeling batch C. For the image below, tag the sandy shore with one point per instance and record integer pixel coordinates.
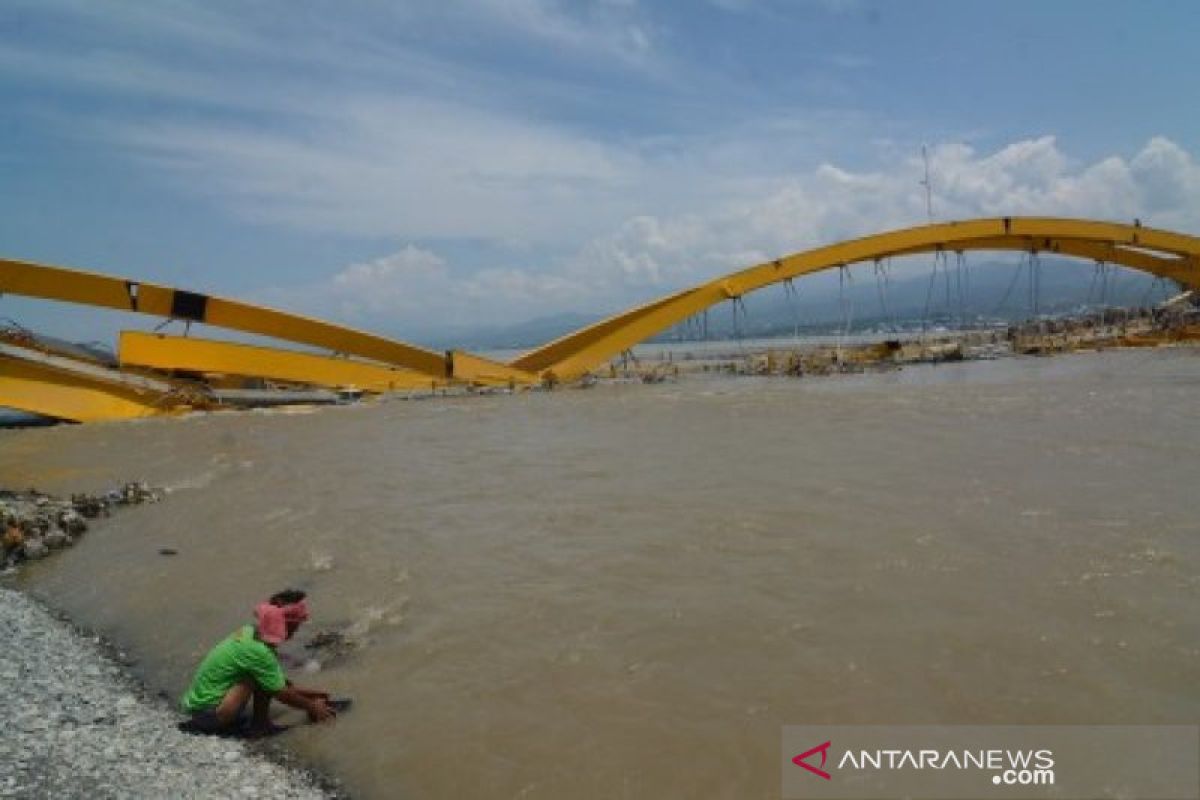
(77, 725)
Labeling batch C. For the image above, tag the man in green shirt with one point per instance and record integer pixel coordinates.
(244, 666)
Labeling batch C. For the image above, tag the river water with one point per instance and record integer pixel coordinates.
(627, 591)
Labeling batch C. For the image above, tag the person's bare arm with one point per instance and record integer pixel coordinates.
(316, 706)
(321, 693)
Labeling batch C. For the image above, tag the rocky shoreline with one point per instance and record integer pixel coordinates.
(32, 523)
(77, 723)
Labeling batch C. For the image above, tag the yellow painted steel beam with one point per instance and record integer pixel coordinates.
(205, 355)
(1174, 267)
(43, 389)
(475, 369)
(75, 286)
(577, 353)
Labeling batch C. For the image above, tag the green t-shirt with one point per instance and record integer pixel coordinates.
(235, 659)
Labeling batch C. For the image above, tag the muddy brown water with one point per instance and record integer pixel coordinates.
(627, 591)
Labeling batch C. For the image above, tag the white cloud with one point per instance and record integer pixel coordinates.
(401, 167)
(288, 65)
(1160, 184)
(401, 282)
(413, 168)
(1167, 180)
(577, 30)
(113, 71)
(362, 127)
(831, 6)
(414, 289)
(368, 131)
(605, 27)
(170, 22)
(650, 255)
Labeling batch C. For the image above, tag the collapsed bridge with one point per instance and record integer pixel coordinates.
(157, 374)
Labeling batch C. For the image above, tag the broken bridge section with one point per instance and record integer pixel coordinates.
(46, 381)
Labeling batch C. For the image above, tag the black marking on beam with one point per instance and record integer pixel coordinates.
(189, 305)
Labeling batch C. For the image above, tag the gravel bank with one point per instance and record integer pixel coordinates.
(75, 725)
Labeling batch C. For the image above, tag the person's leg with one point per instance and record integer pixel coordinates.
(262, 702)
(221, 719)
(231, 705)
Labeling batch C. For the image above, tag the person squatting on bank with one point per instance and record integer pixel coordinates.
(244, 667)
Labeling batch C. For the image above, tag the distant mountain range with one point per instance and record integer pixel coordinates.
(521, 335)
(985, 291)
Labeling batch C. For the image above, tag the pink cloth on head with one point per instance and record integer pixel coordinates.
(271, 623)
(296, 612)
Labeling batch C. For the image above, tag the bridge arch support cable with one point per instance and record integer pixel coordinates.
(1151, 250)
(1035, 283)
(962, 286)
(792, 296)
(846, 303)
(881, 289)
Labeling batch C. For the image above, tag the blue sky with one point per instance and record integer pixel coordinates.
(416, 167)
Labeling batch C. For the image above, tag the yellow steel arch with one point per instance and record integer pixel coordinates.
(1163, 253)
(75, 286)
(1177, 269)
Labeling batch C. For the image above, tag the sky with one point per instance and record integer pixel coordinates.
(414, 168)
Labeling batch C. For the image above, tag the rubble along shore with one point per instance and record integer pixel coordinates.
(77, 725)
(32, 523)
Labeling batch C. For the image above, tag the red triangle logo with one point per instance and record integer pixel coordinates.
(823, 749)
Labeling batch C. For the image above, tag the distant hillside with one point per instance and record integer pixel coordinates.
(530, 333)
(990, 291)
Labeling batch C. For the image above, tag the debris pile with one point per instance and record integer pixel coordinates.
(1173, 323)
(34, 523)
(1136, 327)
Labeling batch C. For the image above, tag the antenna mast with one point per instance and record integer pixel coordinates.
(926, 183)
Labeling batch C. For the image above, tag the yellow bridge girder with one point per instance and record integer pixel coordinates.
(1162, 253)
(75, 391)
(76, 286)
(163, 352)
(470, 368)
